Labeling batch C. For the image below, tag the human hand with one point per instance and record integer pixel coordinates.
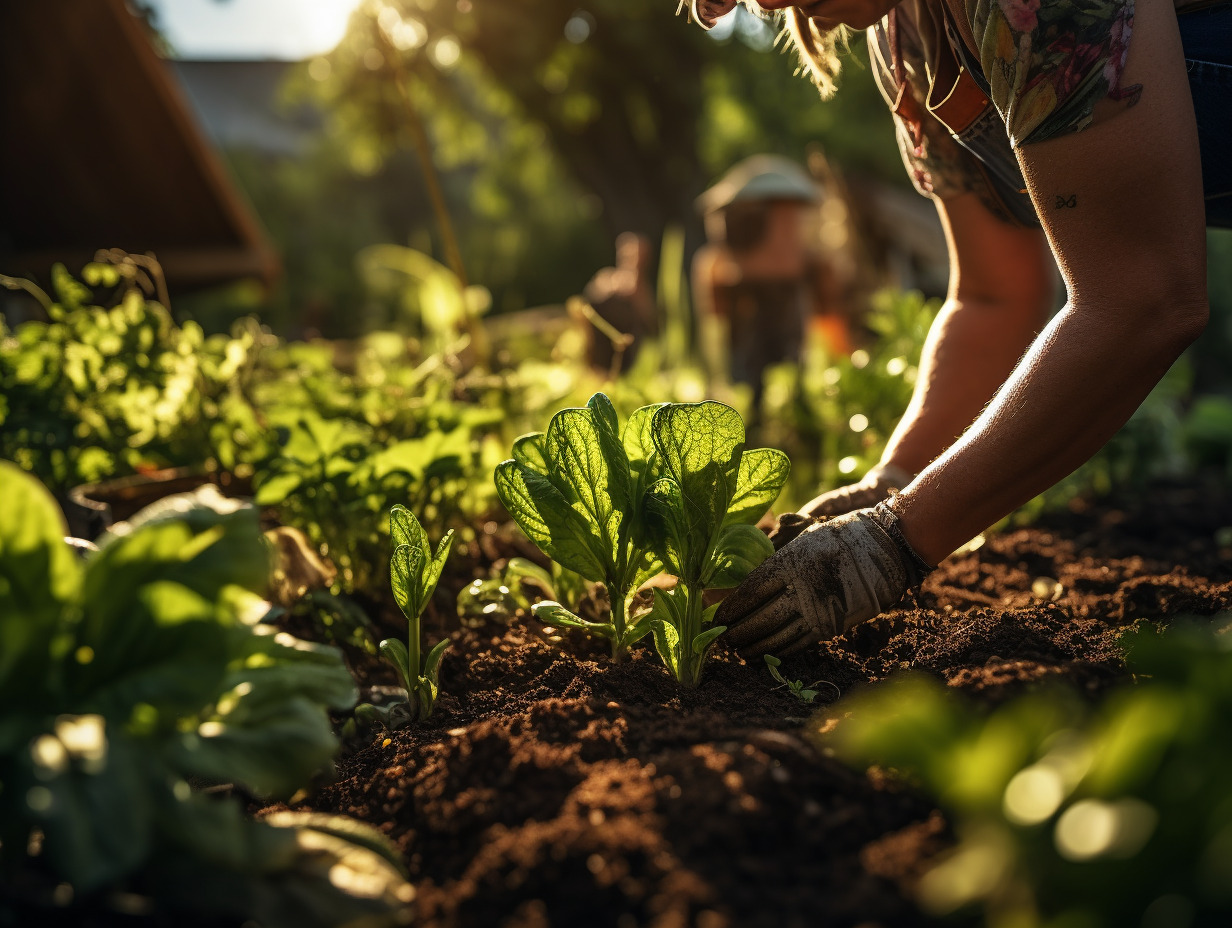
(708, 12)
(835, 574)
(875, 486)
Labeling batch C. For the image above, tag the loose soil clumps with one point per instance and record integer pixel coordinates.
(552, 787)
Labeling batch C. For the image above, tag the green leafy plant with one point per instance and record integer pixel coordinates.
(1066, 814)
(576, 492)
(702, 516)
(413, 573)
(104, 390)
(806, 694)
(145, 668)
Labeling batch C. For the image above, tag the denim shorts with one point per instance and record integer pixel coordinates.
(1207, 37)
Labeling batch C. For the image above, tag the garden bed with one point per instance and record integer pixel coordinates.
(552, 787)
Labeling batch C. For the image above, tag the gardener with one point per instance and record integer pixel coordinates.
(1097, 136)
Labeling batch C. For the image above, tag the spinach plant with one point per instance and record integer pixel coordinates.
(413, 573)
(576, 492)
(701, 515)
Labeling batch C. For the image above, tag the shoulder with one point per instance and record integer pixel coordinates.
(1050, 63)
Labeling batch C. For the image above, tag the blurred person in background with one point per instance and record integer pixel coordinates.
(761, 276)
(622, 297)
(1095, 139)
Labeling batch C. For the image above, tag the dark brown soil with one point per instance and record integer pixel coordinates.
(552, 787)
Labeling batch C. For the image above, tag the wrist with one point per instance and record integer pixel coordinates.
(917, 567)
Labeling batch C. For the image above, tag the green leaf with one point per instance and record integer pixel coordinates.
(432, 664)
(700, 445)
(272, 659)
(519, 570)
(635, 633)
(740, 548)
(703, 641)
(547, 519)
(39, 573)
(763, 471)
(395, 653)
(432, 574)
(404, 529)
(277, 488)
(404, 573)
(268, 741)
(667, 643)
(95, 814)
(529, 451)
(173, 655)
(637, 437)
(669, 530)
(590, 468)
(554, 614)
(348, 829)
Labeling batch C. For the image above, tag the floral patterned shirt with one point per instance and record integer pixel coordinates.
(1045, 66)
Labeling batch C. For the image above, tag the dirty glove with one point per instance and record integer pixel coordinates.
(836, 573)
(875, 486)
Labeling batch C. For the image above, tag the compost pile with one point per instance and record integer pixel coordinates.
(553, 787)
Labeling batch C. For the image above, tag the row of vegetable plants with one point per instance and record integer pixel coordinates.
(163, 693)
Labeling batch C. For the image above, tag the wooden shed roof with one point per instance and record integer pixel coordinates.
(101, 150)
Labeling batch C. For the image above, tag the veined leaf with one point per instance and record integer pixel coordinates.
(529, 451)
(740, 548)
(637, 438)
(700, 445)
(552, 614)
(548, 520)
(588, 464)
(665, 514)
(763, 471)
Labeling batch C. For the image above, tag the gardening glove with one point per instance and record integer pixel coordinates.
(836, 573)
(877, 484)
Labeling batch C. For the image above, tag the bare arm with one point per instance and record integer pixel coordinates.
(1131, 249)
(1001, 291)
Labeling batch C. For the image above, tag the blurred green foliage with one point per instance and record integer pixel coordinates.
(554, 124)
(1068, 815)
(834, 415)
(103, 390)
(137, 673)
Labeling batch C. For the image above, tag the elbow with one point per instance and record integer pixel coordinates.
(1170, 315)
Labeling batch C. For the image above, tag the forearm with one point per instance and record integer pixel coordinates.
(1081, 381)
(971, 350)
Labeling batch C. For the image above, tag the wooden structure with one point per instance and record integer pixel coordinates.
(100, 149)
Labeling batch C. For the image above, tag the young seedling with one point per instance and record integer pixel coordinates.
(701, 516)
(413, 573)
(795, 687)
(576, 492)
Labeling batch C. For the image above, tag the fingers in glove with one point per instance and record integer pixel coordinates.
(788, 528)
(764, 623)
(794, 637)
(759, 588)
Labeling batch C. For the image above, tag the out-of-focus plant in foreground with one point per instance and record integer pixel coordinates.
(140, 673)
(1066, 814)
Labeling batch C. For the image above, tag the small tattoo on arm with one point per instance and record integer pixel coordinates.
(1068, 202)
